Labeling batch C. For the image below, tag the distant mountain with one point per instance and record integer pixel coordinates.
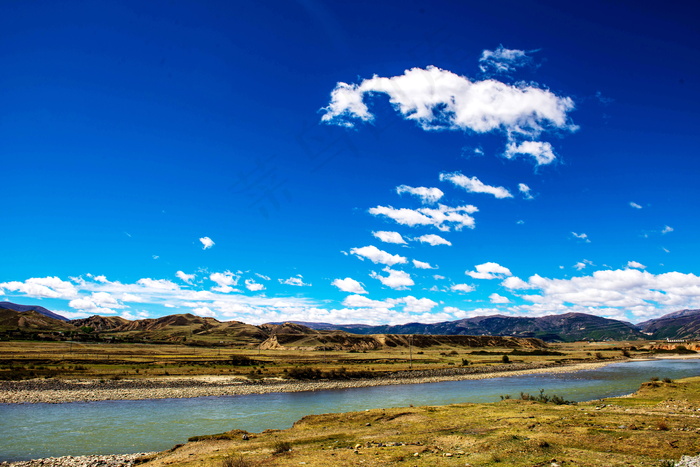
(683, 324)
(38, 309)
(566, 327)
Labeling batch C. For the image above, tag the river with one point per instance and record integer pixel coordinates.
(32, 431)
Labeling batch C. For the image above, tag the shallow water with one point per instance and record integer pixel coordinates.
(115, 427)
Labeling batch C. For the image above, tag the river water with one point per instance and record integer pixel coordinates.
(32, 431)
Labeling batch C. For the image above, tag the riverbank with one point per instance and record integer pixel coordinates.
(62, 391)
(115, 460)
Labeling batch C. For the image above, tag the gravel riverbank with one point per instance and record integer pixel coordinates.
(61, 391)
(116, 460)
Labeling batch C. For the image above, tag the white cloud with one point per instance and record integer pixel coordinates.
(582, 236)
(440, 99)
(161, 284)
(667, 229)
(101, 303)
(349, 285)
(426, 195)
(42, 287)
(421, 265)
(358, 301)
(433, 240)
(462, 288)
(415, 305)
(377, 256)
(225, 281)
(397, 280)
(624, 293)
(503, 60)
(185, 277)
(297, 281)
(495, 298)
(206, 242)
(474, 185)
(582, 264)
(525, 190)
(253, 286)
(389, 237)
(635, 205)
(443, 218)
(636, 265)
(489, 271)
(541, 151)
(515, 283)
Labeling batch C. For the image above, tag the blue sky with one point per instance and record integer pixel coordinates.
(349, 162)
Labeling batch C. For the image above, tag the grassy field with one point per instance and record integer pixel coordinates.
(27, 359)
(656, 426)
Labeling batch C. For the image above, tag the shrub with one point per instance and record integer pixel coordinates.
(505, 359)
(281, 447)
(235, 461)
(668, 380)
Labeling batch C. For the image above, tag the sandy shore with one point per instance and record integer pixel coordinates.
(61, 391)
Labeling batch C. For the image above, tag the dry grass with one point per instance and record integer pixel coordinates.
(614, 432)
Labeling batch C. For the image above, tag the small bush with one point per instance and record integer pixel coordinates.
(235, 461)
(662, 426)
(505, 359)
(668, 380)
(281, 447)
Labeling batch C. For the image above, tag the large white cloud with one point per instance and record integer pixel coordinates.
(439, 99)
(389, 237)
(349, 285)
(378, 256)
(474, 185)
(489, 271)
(397, 280)
(42, 287)
(612, 293)
(443, 217)
(426, 195)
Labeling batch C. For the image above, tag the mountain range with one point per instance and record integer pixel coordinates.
(683, 324)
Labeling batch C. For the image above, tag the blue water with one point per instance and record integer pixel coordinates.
(114, 427)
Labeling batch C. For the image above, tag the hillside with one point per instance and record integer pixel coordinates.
(683, 324)
(31, 322)
(38, 309)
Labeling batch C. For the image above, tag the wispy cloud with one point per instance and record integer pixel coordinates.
(581, 236)
(465, 288)
(421, 265)
(635, 205)
(666, 230)
(185, 277)
(474, 185)
(296, 281)
(443, 217)
(525, 191)
(426, 195)
(502, 60)
(378, 256)
(433, 240)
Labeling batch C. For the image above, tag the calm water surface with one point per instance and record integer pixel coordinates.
(114, 427)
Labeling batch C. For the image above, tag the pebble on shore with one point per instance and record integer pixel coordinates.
(115, 460)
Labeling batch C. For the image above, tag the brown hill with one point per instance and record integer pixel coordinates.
(101, 323)
(31, 321)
